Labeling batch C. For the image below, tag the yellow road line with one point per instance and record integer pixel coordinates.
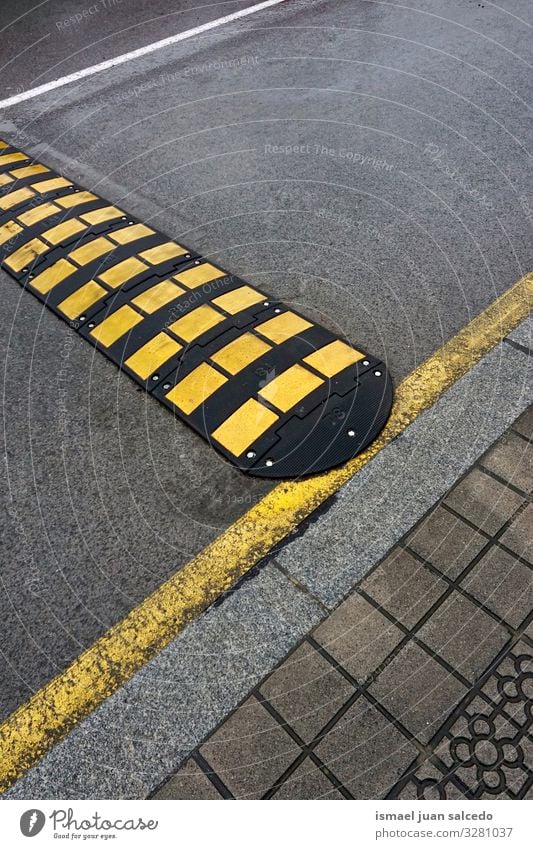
(55, 709)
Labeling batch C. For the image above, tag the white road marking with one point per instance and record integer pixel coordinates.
(135, 54)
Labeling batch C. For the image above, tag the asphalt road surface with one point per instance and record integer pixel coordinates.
(364, 161)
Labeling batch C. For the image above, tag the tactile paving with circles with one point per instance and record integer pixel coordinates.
(275, 393)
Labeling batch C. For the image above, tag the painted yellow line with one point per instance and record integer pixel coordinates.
(55, 709)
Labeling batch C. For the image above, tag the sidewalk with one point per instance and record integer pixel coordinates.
(420, 683)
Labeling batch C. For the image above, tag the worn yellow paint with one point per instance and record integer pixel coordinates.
(61, 232)
(51, 185)
(333, 358)
(289, 387)
(238, 299)
(283, 327)
(83, 298)
(161, 253)
(157, 296)
(194, 389)
(152, 355)
(240, 430)
(123, 271)
(26, 254)
(199, 274)
(116, 325)
(55, 709)
(238, 354)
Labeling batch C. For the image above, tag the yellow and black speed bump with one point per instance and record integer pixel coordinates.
(275, 393)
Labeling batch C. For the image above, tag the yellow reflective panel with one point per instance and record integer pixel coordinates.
(5, 179)
(73, 200)
(238, 299)
(58, 234)
(83, 298)
(51, 185)
(240, 353)
(200, 274)
(25, 255)
(46, 280)
(333, 358)
(163, 252)
(195, 323)
(8, 230)
(193, 390)
(29, 171)
(3, 145)
(158, 296)
(131, 234)
(291, 386)
(13, 198)
(98, 216)
(122, 271)
(151, 356)
(7, 158)
(244, 426)
(44, 210)
(283, 327)
(91, 250)
(116, 325)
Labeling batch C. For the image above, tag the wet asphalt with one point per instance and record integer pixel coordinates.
(365, 162)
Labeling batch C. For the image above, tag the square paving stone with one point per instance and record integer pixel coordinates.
(418, 691)
(307, 691)
(307, 782)
(524, 424)
(519, 535)
(502, 584)
(484, 501)
(188, 783)
(358, 636)
(464, 635)
(366, 752)
(446, 542)
(404, 587)
(250, 751)
(511, 458)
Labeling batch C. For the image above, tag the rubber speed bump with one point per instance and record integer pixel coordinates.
(275, 393)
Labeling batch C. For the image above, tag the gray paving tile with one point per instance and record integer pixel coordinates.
(418, 691)
(358, 636)
(511, 458)
(465, 636)
(519, 535)
(250, 751)
(307, 691)
(308, 782)
(188, 783)
(524, 424)
(483, 501)
(366, 752)
(502, 584)
(446, 542)
(404, 587)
